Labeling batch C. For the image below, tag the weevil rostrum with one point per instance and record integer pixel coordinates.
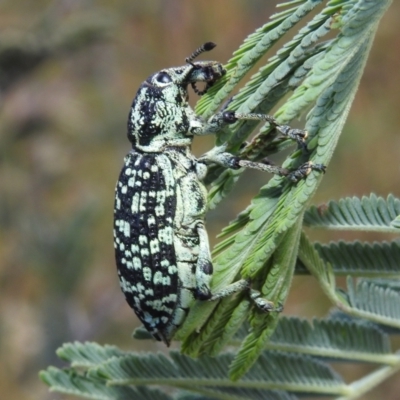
(161, 244)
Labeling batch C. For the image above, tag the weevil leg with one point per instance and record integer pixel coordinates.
(255, 295)
(223, 118)
(299, 135)
(219, 156)
(295, 175)
(235, 287)
(204, 267)
(204, 270)
(264, 304)
(304, 170)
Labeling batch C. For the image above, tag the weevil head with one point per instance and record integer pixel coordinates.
(160, 114)
(171, 84)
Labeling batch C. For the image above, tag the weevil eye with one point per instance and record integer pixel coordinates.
(163, 77)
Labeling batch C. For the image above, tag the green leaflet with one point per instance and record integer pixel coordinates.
(368, 213)
(206, 375)
(377, 301)
(338, 337)
(362, 259)
(374, 300)
(70, 382)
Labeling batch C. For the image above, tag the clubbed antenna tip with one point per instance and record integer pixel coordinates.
(205, 47)
(209, 46)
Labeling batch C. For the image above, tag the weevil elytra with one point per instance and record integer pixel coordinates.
(161, 244)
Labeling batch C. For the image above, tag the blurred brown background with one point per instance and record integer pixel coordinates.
(68, 72)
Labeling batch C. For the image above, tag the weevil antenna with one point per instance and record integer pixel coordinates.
(205, 47)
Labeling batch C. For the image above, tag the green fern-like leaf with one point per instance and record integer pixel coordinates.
(70, 382)
(330, 338)
(88, 354)
(274, 374)
(363, 259)
(181, 371)
(240, 394)
(369, 213)
(375, 300)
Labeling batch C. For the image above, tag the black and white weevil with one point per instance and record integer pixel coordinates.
(161, 245)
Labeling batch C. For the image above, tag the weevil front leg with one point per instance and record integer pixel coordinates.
(299, 135)
(223, 118)
(204, 270)
(219, 156)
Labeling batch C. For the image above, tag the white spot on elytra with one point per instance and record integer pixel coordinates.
(154, 247)
(147, 274)
(164, 263)
(135, 203)
(127, 229)
(160, 210)
(140, 287)
(157, 278)
(165, 235)
(144, 252)
(172, 269)
(143, 240)
(143, 200)
(137, 263)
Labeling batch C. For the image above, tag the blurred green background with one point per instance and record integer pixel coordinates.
(68, 72)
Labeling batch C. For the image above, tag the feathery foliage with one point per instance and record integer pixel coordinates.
(368, 213)
(277, 358)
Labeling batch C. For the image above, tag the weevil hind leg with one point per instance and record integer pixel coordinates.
(260, 302)
(264, 304)
(204, 267)
(204, 270)
(235, 287)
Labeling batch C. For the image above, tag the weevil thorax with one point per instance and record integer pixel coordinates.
(160, 114)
